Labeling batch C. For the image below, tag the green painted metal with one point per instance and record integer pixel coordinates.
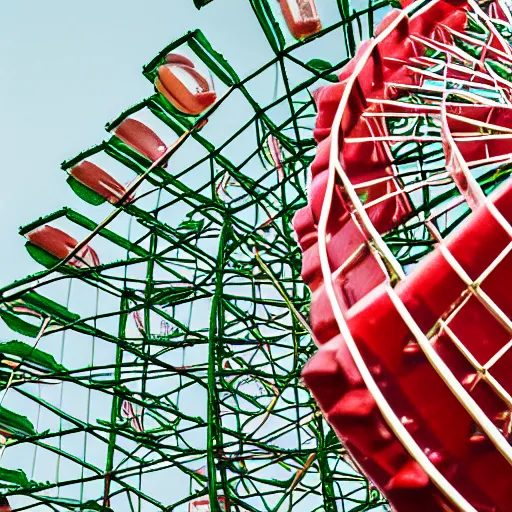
(195, 315)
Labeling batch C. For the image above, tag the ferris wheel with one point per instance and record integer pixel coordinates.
(286, 289)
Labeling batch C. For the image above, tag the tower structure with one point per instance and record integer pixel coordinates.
(154, 362)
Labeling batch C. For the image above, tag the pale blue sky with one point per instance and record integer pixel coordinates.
(68, 67)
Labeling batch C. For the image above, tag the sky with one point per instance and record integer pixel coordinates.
(69, 67)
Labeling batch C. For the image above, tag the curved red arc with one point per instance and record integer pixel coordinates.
(438, 422)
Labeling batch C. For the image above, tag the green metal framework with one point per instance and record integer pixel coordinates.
(170, 374)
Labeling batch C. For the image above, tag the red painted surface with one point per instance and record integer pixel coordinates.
(301, 17)
(141, 138)
(4, 505)
(426, 407)
(59, 244)
(203, 505)
(193, 98)
(98, 180)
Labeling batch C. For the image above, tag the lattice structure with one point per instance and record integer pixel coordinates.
(157, 359)
(407, 242)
